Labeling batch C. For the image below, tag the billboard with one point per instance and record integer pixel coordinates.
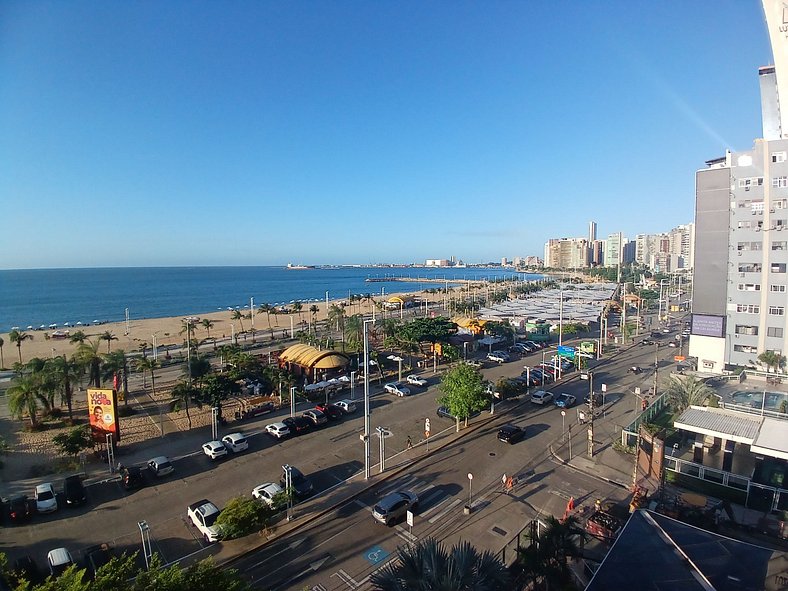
(103, 412)
(707, 325)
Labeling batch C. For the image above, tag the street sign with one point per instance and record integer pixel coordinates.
(604, 387)
(679, 358)
(409, 518)
(426, 424)
(426, 434)
(637, 390)
(564, 351)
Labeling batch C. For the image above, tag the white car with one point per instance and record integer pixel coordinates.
(59, 560)
(498, 356)
(203, 515)
(267, 493)
(161, 466)
(541, 397)
(46, 501)
(416, 380)
(277, 430)
(397, 389)
(235, 442)
(214, 449)
(347, 406)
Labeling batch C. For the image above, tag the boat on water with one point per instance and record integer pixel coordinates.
(293, 267)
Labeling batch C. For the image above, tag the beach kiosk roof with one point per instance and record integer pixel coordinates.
(313, 358)
(401, 299)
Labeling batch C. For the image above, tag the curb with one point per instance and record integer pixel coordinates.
(564, 462)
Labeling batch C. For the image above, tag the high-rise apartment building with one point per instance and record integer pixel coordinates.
(566, 253)
(614, 249)
(741, 235)
(591, 232)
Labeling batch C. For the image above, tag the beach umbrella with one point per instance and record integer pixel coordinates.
(16, 328)
(53, 325)
(30, 327)
(79, 324)
(42, 327)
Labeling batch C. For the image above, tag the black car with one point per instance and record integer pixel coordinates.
(74, 490)
(131, 477)
(333, 412)
(511, 434)
(18, 509)
(302, 486)
(96, 557)
(26, 568)
(444, 413)
(298, 425)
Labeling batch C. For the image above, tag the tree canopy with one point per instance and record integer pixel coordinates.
(463, 391)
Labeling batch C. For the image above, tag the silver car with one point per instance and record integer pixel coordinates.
(394, 506)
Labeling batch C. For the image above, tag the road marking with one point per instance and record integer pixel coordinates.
(427, 499)
(453, 504)
(399, 483)
(375, 554)
(405, 534)
(423, 491)
(347, 579)
(431, 509)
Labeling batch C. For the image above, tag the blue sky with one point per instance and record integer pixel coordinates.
(257, 133)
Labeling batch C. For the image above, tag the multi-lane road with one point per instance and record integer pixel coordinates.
(342, 548)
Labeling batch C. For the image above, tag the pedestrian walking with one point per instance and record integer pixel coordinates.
(509, 484)
(504, 480)
(409, 443)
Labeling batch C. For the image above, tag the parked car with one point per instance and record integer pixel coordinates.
(347, 406)
(474, 363)
(269, 493)
(302, 486)
(565, 400)
(416, 380)
(160, 466)
(317, 417)
(536, 345)
(443, 412)
(235, 442)
(214, 449)
(498, 356)
(511, 434)
(203, 516)
(96, 557)
(394, 506)
(278, 430)
(397, 389)
(26, 567)
(541, 397)
(74, 490)
(131, 477)
(647, 341)
(298, 425)
(59, 560)
(635, 369)
(332, 411)
(673, 344)
(46, 501)
(18, 509)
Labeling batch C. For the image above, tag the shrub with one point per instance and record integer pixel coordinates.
(74, 441)
(242, 516)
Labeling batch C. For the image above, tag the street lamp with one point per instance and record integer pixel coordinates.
(365, 434)
(147, 550)
(399, 361)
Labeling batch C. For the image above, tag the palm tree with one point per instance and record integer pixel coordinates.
(313, 309)
(298, 308)
(23, 397)
(266, 309)
(18, 337)
(142, 348)
(116, 364)
(150, 365)
(685, 391)
(545, 559)
(207, 325)
(236, 315)
(337, 314)
(65, 373)
(89, 357)
(427, 566)
(182, 393)
(77, 337)
(2, 361)
(109, 337)
(772, 360)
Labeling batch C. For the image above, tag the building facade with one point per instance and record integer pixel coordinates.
(566, 253)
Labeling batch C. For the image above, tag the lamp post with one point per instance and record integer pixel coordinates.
(352, 385)
(292, 401)
(399, 361)
(147, 550)
(401, 309)
(366, 434)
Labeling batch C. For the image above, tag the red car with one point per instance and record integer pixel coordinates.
(333, 412)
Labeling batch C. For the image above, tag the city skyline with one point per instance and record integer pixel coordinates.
(140, 135)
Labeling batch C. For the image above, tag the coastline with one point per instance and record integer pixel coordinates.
(167, 330)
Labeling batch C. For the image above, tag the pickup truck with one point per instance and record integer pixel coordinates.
(203, 516)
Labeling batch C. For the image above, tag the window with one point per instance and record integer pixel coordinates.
(755, 181)
(778, 268)
(779, 245)
(780, 203)
(757, 207)
(777, 288)
(778, 157)
(745, 348)
(780, 182)
(748, 308)
(749, 287)
(741, 246)
(744, 329)
(774, 331)
(746, 224)
(750, 268)
(776, 311)
(780, 223)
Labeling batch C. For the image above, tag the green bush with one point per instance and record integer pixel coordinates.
(242, 516)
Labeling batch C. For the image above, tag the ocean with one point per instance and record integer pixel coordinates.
(35, 297)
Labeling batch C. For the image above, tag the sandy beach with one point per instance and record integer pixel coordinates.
(167, 330)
